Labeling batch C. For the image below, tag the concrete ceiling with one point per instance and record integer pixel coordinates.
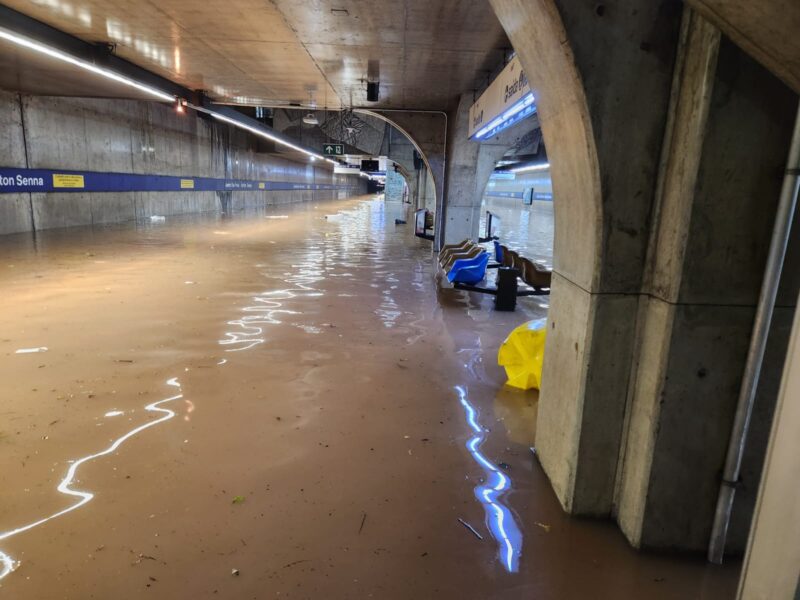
(34, 73)
(262, 52)
(770, 31)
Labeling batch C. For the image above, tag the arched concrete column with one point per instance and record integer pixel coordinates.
(601, 76)
(469, 166)
(539, 37)
(427, 131)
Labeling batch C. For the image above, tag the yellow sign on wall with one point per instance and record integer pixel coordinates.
(261, 185)
(63, 180)
(187, 184)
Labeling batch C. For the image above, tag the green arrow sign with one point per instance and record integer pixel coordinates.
(333, 149)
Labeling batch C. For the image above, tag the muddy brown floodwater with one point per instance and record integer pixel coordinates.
(280, 404)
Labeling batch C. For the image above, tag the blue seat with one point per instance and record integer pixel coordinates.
(498, 252)
(469, 270)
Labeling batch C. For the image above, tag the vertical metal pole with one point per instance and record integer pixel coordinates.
(758, 342)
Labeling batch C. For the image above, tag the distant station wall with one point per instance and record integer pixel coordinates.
(122, 147)
(514, 185)
(395, 186)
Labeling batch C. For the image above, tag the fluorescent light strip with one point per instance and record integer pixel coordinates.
(515, 109)
(57, 54)
(263, 134)
(531, 168)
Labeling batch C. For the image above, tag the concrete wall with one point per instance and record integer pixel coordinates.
(135, 137)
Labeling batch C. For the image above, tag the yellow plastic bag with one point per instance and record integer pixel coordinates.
(522, 354)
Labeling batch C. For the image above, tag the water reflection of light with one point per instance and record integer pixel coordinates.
(268, 306)
(499, 520)
(353, 247)
(8, 564)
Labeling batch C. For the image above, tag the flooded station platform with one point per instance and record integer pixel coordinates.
(279, 404)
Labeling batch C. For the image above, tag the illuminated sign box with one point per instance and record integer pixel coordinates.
(507, 100)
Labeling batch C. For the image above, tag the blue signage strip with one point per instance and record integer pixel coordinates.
(14, 180)
(505, 194)
(536, 196)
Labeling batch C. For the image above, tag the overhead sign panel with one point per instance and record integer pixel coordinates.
(333, 149)
(370, 166)
(506, 101)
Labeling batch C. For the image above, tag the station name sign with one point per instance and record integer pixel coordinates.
(508, 90)
(20, 180)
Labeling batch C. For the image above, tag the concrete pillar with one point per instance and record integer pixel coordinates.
(601, 75)
(461, 215)
(400, 149)
(419, 177)
(644, 439)
(469, 166)
(427, 195)
(713, 224)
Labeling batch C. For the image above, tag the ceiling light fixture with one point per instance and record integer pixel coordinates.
(531, 168)
(311, 119)
(180, 106)
(87, 66)
(521, 109)
(260, 133)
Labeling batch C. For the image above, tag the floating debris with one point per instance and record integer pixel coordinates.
(363, 520)
(543, 526)
(31, 350)
(238, 499)
(471, 528)
(235, 572)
